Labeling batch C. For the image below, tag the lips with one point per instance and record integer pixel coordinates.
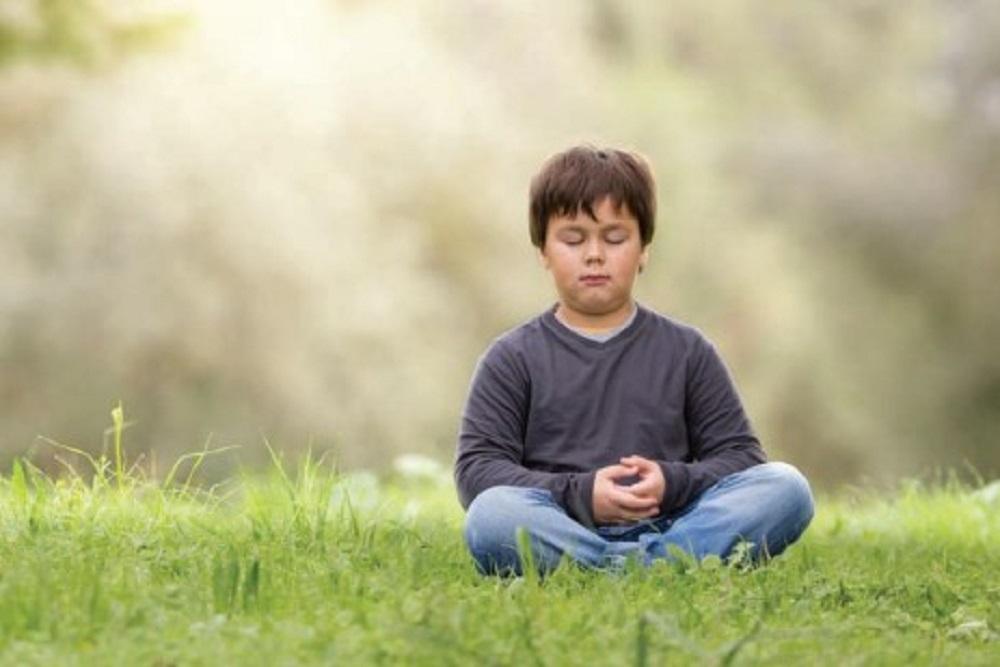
(595, 279)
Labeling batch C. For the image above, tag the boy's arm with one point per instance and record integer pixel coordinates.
(721, 437)
(491, 441)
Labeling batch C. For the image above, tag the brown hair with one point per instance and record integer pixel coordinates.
(581, 177)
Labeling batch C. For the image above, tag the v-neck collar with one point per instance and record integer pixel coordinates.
(568, 334)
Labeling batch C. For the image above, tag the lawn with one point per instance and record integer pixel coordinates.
(308, 566)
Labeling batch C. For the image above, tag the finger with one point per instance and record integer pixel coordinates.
(648, 514)
(638, 462)
(644, 487)
(616, 471)
(629, 501)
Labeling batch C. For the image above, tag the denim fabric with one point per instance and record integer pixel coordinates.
(767, 506)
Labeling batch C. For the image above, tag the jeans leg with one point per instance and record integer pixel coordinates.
(768, 505)
(491, 533)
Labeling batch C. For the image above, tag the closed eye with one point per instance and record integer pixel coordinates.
(571, 238)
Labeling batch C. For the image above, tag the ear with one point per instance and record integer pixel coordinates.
(543, 258)
(643, 258)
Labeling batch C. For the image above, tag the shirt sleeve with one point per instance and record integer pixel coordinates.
(720, 435)
(491, 440)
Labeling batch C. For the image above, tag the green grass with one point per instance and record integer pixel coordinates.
(309, 567)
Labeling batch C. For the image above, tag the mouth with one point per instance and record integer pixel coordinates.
(595, 279)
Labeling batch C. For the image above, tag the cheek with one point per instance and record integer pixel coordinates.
(563, 272)
(561, 261)
(626, 261)
(631, 258)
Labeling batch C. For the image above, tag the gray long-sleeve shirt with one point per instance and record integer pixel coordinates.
(548, 407)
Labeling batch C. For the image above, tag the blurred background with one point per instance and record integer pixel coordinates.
(305, 221)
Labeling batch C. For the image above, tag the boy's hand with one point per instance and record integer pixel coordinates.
(651, 481)
(614, 503)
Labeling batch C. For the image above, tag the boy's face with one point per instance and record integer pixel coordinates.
(594, 264)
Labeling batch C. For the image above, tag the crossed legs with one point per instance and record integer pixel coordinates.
(768, 506)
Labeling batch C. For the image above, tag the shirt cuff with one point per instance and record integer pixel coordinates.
(580, 498)
(676, 477)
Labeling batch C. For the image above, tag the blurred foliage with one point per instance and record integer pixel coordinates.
(78, 32)
(308, 221)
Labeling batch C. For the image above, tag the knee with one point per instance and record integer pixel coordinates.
(789, 494)
(493, 510)
(491, 525)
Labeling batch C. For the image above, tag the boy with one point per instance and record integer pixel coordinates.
(601, 427)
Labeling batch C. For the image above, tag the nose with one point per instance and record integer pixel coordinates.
(594, 252)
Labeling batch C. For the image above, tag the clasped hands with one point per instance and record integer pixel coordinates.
(619, 504)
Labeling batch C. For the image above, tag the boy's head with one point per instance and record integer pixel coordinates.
(580, 178)
(592, 213)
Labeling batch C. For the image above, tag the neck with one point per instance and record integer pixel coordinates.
(590, 322)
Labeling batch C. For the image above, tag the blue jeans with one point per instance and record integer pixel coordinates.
(767, 506)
